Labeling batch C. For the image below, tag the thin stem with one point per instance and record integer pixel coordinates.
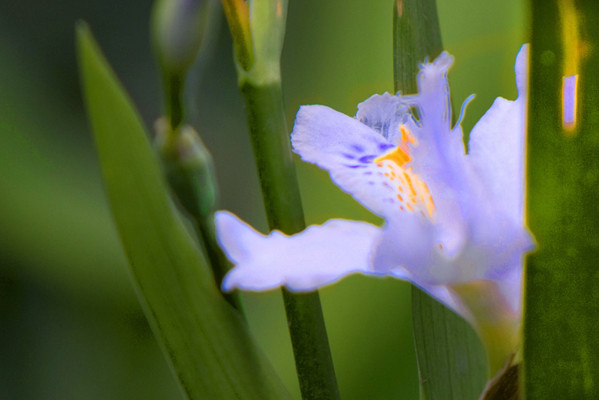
(281, 195)
(173, 84)
(416, 37)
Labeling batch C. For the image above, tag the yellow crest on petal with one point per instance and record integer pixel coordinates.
(412, 192)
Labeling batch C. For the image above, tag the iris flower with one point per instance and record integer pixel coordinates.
(454, 220)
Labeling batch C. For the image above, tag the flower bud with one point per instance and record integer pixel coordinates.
(178, 27)
(188, 167)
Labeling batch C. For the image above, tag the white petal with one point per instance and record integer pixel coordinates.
(522, 69)
(433, 97)
(569, 101)
(439, 158)
(408, 249)
(497, 146)
(511, 288)
(346, 148)
(317, 256)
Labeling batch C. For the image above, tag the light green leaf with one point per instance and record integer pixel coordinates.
(450, 356)
(204, 339)
(561, 300)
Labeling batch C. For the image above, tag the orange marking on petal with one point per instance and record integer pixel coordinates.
(397, 156)
(410, 185)
(407, 182)
(406, 138)
(407, 135)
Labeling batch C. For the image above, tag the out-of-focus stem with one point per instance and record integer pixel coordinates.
(174, 99)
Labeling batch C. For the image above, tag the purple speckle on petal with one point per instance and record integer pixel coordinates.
(358, 148)
(348, 156)
(369, 173)
(367, 159)
(355, 166)
(385, 146)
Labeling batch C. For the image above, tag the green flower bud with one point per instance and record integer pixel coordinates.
(178, 27)
(188, 167)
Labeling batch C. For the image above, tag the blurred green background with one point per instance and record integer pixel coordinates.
(70, 323)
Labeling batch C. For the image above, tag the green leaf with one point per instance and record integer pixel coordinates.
(450, 356)
(561, 301)
(451, 359)
(204, 339)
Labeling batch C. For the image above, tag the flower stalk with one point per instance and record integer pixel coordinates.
(258, 43)
(178, 30)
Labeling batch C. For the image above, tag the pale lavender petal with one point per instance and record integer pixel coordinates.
(414, 248)
(522, 70)
(569, 103)
(511, 288)
(497, 148)
(347, 149)
(493, 248)
(438, 156)
(317, 256)
(408, 247)
(433, 97)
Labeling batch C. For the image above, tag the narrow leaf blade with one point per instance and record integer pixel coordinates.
(206, 342)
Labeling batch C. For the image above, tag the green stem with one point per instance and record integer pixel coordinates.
(449, 353)
(269, 135)
(416, 37)
(173, 84)
(560, 342)
(276, 171)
